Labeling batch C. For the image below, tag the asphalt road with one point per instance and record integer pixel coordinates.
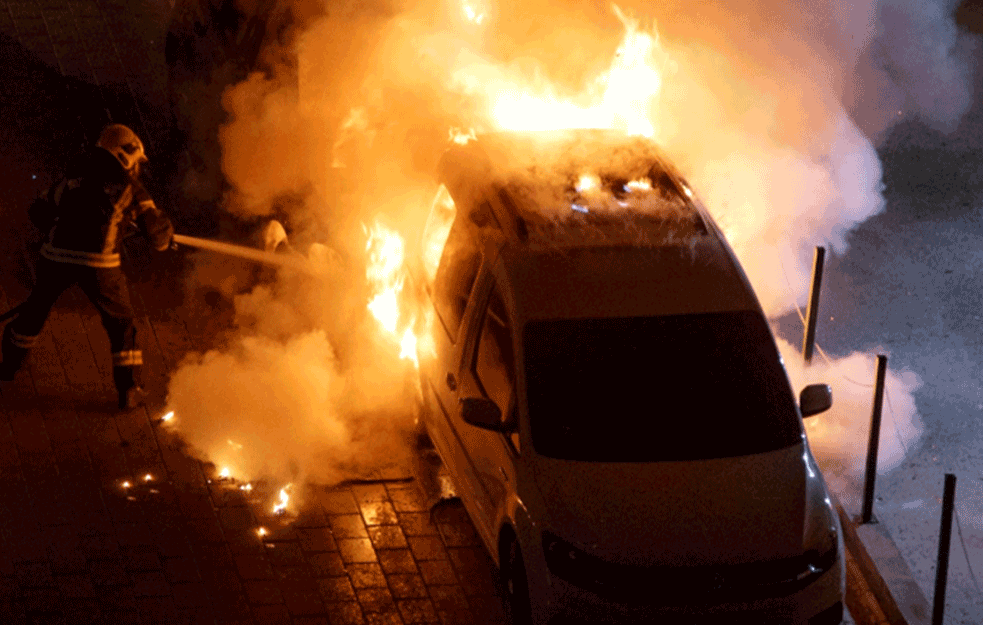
(910, 286)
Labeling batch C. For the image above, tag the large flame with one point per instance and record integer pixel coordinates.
(386, 273)
(621, 98)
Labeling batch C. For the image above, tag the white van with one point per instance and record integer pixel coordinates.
(605, 392)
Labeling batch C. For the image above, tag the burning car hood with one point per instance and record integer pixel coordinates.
(718, 511)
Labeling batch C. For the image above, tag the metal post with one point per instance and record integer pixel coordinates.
(945, 533)
(870, 473)
(812, 314)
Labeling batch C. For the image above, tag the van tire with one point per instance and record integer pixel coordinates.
(515, 586)
(421, 437)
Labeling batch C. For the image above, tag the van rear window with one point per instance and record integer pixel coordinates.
(644, 389)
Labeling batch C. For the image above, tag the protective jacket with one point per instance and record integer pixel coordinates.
(85, 216)
(88, 212)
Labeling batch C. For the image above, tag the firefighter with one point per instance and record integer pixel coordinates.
(85, 217)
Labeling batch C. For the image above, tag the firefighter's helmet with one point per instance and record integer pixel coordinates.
(124, 144)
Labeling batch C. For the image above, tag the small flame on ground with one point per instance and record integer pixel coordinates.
(587, 182)
(126, 484)
(261, 532)
(281, 507)
(225, 473)
(147, 477)
(246, 487)
(643, 184)
(462, 137)
(167, 417)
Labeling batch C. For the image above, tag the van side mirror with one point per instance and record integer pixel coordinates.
(814, 399)
(482, 413)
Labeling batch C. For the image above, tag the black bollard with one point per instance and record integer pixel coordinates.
(870, 472)
(812, 314)
(945, 533)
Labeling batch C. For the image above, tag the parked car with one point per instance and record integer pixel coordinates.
(606, 394)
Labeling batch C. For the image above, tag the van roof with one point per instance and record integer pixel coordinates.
(592, 223)
(576, 188)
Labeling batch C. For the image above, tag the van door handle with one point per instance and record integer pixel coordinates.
(451, 382)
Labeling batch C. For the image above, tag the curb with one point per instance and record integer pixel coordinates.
(884, 569)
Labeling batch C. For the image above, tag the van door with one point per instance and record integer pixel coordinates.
(455, 278)
(489, 372)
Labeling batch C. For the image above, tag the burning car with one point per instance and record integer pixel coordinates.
(605, 392)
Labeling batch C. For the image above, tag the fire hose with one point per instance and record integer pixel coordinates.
(291, 261)
(249, 253)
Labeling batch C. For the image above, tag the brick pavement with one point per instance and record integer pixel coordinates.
(104, 515)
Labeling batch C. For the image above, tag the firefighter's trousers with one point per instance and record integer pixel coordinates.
(106, 288)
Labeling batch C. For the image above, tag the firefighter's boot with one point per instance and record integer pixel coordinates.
(7, 371)
(15, 348)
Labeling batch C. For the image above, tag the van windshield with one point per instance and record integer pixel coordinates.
(644, 389)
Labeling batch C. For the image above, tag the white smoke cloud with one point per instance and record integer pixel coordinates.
(811, 199)
(840, 436)
(911, 61)
(280, 402)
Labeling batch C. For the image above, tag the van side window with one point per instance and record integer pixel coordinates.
(442, 213)
(494, 360)
(455, 277)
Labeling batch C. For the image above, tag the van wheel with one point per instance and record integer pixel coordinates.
(518, 610)
(421, 438)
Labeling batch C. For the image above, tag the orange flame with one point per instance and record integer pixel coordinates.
(437, 230)
(622, 98)
(386, 274)
(587, 183)
(281, 507)
(473, 12)
(385, 251)
(461, 137)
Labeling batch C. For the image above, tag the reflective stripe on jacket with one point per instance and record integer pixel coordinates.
(91, 212)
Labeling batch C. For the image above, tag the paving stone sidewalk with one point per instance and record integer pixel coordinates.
(104, 515)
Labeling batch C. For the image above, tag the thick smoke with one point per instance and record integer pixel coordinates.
(308, 389)
(839, 437)
(772, 110)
